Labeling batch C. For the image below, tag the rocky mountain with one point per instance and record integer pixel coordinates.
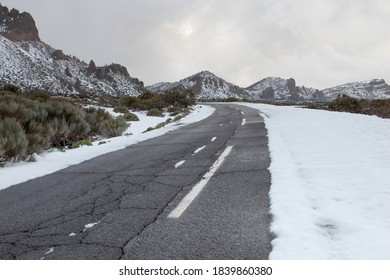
(28, 62)
(373, 89)
(278, 89)
(205, 85)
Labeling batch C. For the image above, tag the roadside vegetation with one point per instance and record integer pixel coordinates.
(35, 121)
(32, 123)
(345, 103)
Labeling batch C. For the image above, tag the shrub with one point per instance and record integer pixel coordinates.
(107, 101)
(179, 97)
(113, 127)
(127, 101)
(160, 125)
(11, 88)
(149, 129)
(40, 95)
(80, 143)
(95, 117)
(33, 123)
(130, 117)
(121, 109)
(345, 103)
(146, 95)
(154, 112)
(177, 118)
(13, 141)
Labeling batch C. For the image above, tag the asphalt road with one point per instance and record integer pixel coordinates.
(199, 192)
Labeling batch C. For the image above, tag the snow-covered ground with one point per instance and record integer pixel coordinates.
(49, 162)
(330, 192)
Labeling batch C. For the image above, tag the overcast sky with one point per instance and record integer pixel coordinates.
(320, 43)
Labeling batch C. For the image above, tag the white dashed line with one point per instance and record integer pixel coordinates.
(50, 251)
(187, 200)
(199, 150)
(221, 124)
(180, 163)
(214, 138)
(243, 121)
(242, 113)
(72, 234)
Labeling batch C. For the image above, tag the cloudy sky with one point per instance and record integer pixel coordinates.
(321, 43)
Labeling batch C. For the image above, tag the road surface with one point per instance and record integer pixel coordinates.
(199, 192)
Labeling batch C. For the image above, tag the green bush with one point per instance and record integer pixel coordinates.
(154, 112)
(345, 103)
(121, 109)
(33, 123)
(177, 118)
(95, 117)
(130, 117)
(149, 129)
(113, 127)
(107, 101)
(80, 143)
(13, 140)
(11, 88)
(160, 125)
(179, 97)
(127, 101)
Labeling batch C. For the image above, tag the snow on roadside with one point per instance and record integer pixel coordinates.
(49, 162)
(330, 188)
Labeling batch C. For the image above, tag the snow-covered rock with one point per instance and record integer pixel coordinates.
(205, 85)
(278, 89)
(373, 89)
(28, 62)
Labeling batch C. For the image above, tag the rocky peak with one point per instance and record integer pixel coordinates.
(91, 67)
(59, 55)
(17, 26)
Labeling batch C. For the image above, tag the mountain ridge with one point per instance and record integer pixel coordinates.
(30, 63)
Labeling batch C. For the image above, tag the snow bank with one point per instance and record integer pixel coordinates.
(330, 188)
(49, 162)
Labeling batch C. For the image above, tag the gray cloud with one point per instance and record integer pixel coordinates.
(320, 43)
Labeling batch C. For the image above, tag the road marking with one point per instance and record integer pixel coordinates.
(180, 163)
(72, 234)
(243, 121)
(50, 251)
(242, 113)
(221, 124)
(199, 150)
(214, 138)
(189, 198)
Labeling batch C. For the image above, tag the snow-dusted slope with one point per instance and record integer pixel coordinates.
(206, 86)
(36, 65)
(275, 88)
(373, 89)
(28, 62)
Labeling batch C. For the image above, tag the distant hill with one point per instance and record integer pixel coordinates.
(205, 85)
(30, 63)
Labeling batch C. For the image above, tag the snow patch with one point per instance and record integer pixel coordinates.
(330, 183)
(91, 225)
